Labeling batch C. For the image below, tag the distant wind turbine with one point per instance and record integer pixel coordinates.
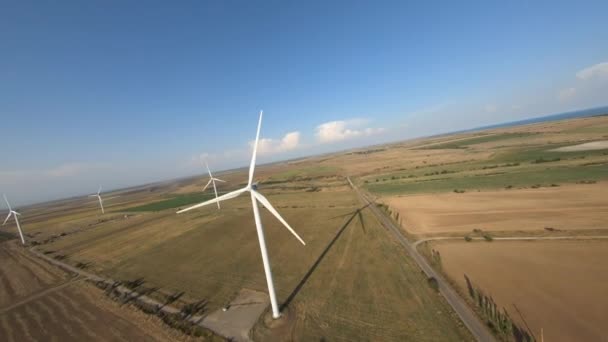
(212, 181)
(98, 195)
(255, 197)
(16, 216)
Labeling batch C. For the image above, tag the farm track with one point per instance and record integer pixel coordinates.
(37, 295)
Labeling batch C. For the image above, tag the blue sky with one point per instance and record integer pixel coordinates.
(125, 92)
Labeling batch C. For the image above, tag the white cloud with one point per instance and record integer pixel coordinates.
(62, 171)
(491, 108)
(599, 70)
(334, 131)
(289, 142)
(567, 94)
(74, 169)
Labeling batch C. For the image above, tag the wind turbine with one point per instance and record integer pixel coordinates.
(255, 197)
(98, 195)
(212, 181)
(16, 216)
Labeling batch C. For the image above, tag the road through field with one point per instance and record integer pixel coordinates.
(468, 317)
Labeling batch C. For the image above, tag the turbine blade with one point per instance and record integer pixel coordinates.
(255, 150)
(8, 204)
(92, 195)
(16, 213)
(101, 205)
(215, 190)
(209, 182)
(99, 191)
(219, 180)
(7, 217)
(276, 214)
(208, 170)
(229, 195)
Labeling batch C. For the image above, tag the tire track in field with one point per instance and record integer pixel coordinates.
(45, 268)
(6, 327)
(73, 318)
(75, 307)
(24, 327)
(18, 267)
(6, 285)
(37, 296)
(37, 318)
(49, 311)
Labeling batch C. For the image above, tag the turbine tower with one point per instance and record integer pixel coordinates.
(98, 195)
(212, 181)
(255, 197)
(16, 216)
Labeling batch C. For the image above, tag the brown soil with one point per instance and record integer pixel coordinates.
(559, 286)
(38, 303)
(566, 207)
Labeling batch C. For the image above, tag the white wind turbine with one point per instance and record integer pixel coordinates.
(212, 181)
(16, 216)
(98, 195)
(255, 197)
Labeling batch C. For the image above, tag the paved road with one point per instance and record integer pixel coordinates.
(468, 317)
(517, 238)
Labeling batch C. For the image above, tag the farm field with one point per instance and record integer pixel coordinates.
(569, 207)
(351, 281)
(558, 286)
(40, 302)
(212, 255)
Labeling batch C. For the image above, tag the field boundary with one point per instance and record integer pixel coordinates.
(132, 295)
(513, 238)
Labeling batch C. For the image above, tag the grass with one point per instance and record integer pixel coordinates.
(464, 143)
(305, 172)
(4, 236)
(174, 202)
(524, 178)
(530, 155)
(365, 287)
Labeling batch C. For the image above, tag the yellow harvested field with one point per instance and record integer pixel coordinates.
(590, 146)
(559, 286)
(571, 207)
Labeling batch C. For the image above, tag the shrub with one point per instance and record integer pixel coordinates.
(433, 283)
(488, 237)
(468, 238)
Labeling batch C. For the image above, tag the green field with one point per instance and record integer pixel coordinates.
(464, 143)
(173, 202)
(520, 178)
(304, 172)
